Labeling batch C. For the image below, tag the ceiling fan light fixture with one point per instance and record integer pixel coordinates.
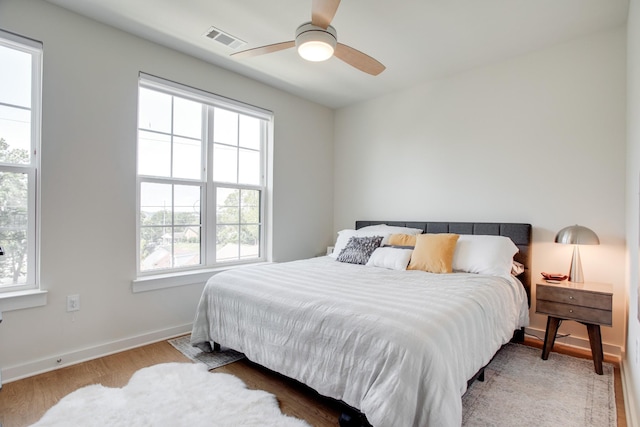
(318, 41)
(315, 43)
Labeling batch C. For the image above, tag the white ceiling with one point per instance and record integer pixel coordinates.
(416, 40)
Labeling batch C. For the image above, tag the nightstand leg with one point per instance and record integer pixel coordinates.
(550, 336)
(595, 339)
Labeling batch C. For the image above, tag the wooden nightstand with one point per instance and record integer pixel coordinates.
(587, 303)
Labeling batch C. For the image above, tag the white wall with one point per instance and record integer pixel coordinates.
(88, 186)
(539, 139)
(631, 363)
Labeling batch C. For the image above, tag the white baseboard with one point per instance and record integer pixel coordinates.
(583, 343)
(17, 372)
(629, 395)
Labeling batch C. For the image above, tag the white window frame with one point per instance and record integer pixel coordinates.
(155, 279)
(28, 294)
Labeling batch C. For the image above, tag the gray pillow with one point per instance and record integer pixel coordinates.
(359, 249)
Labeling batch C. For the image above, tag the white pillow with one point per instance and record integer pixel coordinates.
(484, 254)
(389, 257)
(392, 229)
(341, 242)
(517, 268)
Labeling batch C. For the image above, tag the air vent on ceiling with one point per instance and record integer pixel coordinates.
(224, 38)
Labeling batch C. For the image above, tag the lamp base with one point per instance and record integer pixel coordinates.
(575, 273)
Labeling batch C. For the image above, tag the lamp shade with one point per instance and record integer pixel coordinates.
(577, 235)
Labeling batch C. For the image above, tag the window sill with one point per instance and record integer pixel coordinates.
(182, 278)
(18, 300)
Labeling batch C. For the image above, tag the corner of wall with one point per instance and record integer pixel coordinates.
(629, 395)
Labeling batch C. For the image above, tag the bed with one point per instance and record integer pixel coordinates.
(398, 345)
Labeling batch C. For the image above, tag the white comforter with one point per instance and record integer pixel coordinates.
(398, 345)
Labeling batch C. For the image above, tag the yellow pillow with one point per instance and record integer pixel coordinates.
(402, 240)
(433, 253)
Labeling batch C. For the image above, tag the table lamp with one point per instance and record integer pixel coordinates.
(576, 235)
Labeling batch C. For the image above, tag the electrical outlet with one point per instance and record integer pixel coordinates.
(73, 302)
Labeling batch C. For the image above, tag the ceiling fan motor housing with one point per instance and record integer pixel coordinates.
(315, 43)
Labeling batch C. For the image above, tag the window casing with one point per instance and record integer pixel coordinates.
(202, 174)
(20, 123)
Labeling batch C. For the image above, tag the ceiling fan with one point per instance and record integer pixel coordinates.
(318, 41)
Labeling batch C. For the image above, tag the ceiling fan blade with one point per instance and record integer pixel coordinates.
(359, 60)
(264, 49)
(323, 11)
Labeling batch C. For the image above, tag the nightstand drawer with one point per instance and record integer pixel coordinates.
(571, 296)
(574, 312)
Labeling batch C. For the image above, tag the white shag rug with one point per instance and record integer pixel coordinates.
(170, 394)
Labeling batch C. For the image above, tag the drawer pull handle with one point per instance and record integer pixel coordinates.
(570, 297)
(570, 311)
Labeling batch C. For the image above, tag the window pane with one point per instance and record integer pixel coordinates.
(225, 127)
(225, 164)
(250, 207)
(155, 204)
(15, 77)
(227, 242)
(155, 248)
(154, 154)
(250, 135)
(14, 220)
(186, 246)
(249, 167)
(13, 264)
(154, 110)
(15, 135)
(187, 204)
(227, 206)
(249, 241)
(187, 118)
(187, 158)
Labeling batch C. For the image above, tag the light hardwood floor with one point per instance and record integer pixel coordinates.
(23, 402)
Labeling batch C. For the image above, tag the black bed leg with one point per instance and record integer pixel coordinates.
(216, 346)
(478, 376)
(518, 336)
(356, 419)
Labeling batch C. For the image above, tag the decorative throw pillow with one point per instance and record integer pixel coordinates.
(394, 258)
(345, 235)
(359, 249)
(402, 240)
(434, 253)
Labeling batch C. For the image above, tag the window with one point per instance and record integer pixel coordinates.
(20, 103)
(201, 179)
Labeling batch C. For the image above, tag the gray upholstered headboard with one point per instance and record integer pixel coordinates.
(520, 234)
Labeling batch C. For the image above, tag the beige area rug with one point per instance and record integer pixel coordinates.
(521, 389)
(212, 360)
